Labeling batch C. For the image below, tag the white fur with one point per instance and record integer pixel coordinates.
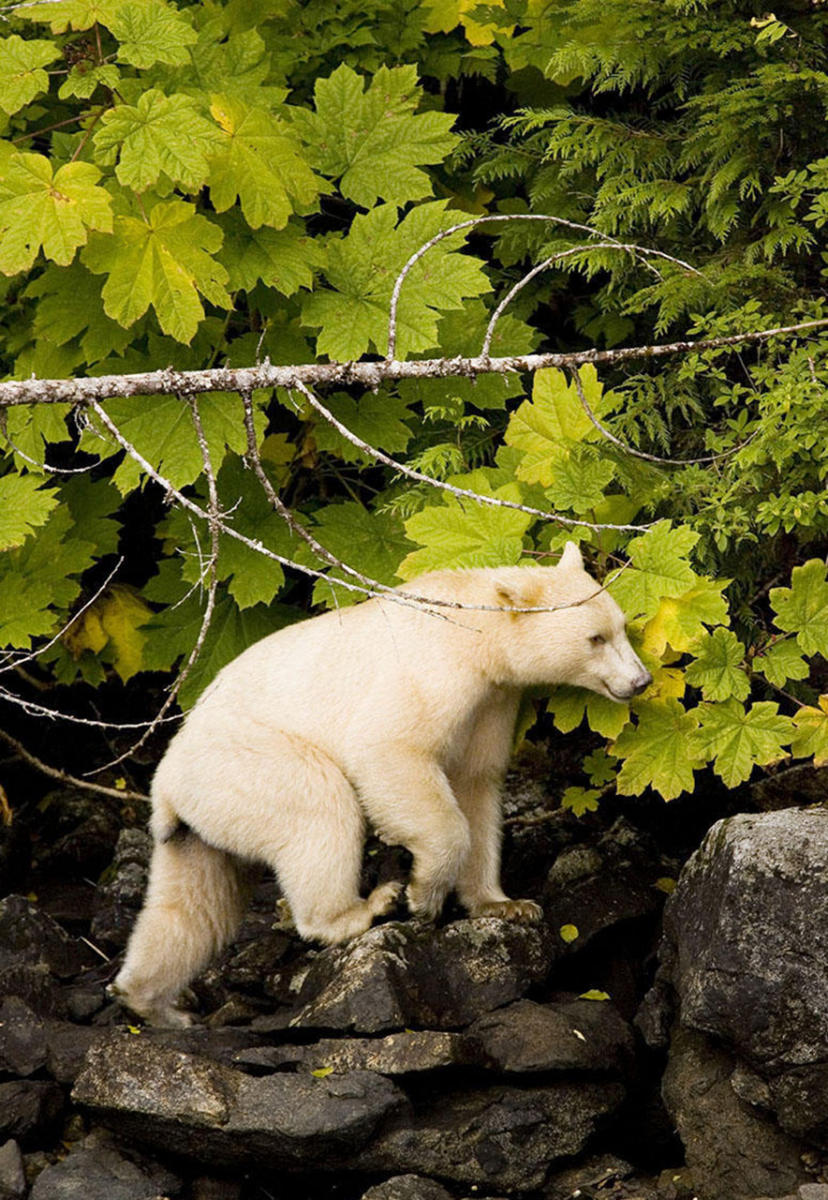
(379, 714)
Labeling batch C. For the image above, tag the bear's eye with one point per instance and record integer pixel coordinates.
(597, 640)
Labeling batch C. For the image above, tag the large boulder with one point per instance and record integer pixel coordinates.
(746, 958)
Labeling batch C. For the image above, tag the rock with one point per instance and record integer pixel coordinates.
(206, 1187)
(574, 1035)
(500, 1137)
(397, 975)
(120, 895)
(22, 1038)
(97, 1170)
(29, 937)
(406, 1053)
(587, 1179)
(28, 1109)
(596, 887)
(407, 1187)
(734, 1151)
(749, 927)
(222, 1117)
(12, 1175)
(67, 1046)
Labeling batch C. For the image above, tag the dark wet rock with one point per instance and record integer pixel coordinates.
(398, 975)
(22, 1038)
(98, 1170)
(207, 1187)
(407, 1187)
(501, 1137)
(15, 856)
(28, 937)
(119, 897)
(571, 1035)
(594, 887)
(78, 834)
(406, 1053)
(67, 1046)
(734, 1150)
(37, 986)
(749, 927)
(12, 1175)
(190, 1105)
(83, 1002)
(29, 1109)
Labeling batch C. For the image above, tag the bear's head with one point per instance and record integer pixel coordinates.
(582, 641)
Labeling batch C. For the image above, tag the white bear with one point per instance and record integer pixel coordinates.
(383, 713)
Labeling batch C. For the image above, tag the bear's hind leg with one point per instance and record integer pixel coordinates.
(195, 901)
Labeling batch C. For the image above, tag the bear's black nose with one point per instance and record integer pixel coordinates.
(642, 682)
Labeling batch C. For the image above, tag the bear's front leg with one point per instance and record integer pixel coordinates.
(478, 885)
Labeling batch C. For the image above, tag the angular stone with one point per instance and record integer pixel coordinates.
(97, 1170)
(118, 900)
(574, 1035)
(749, 927)
(12, 1175)
(29, 1108)
(28, 937)
(407, 1187)
(409, 974)
(404, 1053)
(190, 1105)
(734, 1151)
(500, 1137)
(591, 1178)
(22, 1038)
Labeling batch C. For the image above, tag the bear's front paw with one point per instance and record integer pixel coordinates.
(525, 911)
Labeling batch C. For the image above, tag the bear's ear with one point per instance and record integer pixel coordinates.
(571, 557)
(518, 593)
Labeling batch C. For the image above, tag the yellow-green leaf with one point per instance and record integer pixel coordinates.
(21, 71)
(569, 933)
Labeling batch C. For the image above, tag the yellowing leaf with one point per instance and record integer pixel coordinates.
(114, 619)
(61, 15)
(569, 933)
(594, 994)
(811, 736)
(803, 607)
(322, 1072)
(680, 620)
(56, 212)
(666, 884)
(580, 800)
(445, 15)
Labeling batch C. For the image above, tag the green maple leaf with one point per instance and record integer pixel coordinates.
(580, 800)
(371, 140)
(362, 268)
(569, 704)
(660, 568)
(547, 427)
(84, 78)
(463, 533)
(284, 259)
(165, 262)
(371, 542)
(161, 429)
(803, 607)
(260, 162)
(738, 739)
(579, 480)
(70, 307)
(61, 15)
(237, 65)
(600, 768)
(718, 666)
(378, 419)
(21, 71)
(29, 427)
(659, 752)
(780, 662)
(159, 134)
(55, 212)
(150, 32)
(23, 506)
(811, 738)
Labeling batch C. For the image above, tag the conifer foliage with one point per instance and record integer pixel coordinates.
(220, 183)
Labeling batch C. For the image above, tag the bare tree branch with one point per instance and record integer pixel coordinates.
(64, 776)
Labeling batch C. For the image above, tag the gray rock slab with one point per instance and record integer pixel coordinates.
(97, 1170)
(23, 1042)
(398, 975)
(408, 1052)
(189, 1105)
(748, 924)
(29, 1108)
(29, 937)
(501, 1137)
(12, 1175)
(575, 1035)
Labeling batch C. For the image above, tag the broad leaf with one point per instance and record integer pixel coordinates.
(52, 211)
(165, 262)
(738, 739)
(159, 134)
(718, 666)
(371, 140)
(803, 607)
(372, 543)
(811, 737)
(679, 621)
(569, 704)
(658, 752)
(660, 569)
(149, 32)
(23, 506)
(21, 71)
(780, 662)
(114, 620)
(284, 259)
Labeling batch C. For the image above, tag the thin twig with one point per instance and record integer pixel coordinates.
(64, 776)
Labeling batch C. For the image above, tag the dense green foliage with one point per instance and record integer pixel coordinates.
(212, 183)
